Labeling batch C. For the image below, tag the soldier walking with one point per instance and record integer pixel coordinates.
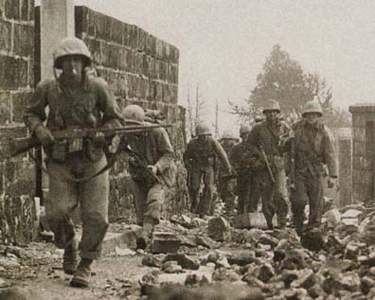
(226, 184)
(248, 191)
(266, 138)
(75, 100)
(199, 158)
(152, 169)
(313, 151)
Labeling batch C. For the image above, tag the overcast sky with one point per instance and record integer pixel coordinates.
(223, 43)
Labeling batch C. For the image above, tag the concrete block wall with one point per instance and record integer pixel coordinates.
(344, 142)
(140, 69)
(363, 131)
(17, 209)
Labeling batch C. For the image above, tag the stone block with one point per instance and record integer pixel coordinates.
(5, 108)
(6, 35)
(27, 6)
(113, 55)
(183, 260)
(12, 9)
(219, 229)
(250, 220)
(20, 100)
(165, 242)
(13, 72)
(23, 42)
(116, 31)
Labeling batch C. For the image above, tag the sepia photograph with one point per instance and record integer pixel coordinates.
(187, 149)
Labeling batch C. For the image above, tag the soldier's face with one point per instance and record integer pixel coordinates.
(311, 118)
(72, 65)
(271, 115)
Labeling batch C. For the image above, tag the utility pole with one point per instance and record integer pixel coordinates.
(217, 119)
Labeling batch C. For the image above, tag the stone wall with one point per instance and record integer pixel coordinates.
(17, 209)
(363, 116)
(140, 69)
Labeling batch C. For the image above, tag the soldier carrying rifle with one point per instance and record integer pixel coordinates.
(266, 138)
(75, 101)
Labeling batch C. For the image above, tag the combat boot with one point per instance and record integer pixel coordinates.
(82, 276)
(70, 258)
(144, 238)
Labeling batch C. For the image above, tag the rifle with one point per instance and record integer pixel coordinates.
(139, 162)
(20, 145)
(265, 159)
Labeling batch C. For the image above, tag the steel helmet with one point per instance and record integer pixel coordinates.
(71, 46)
(202, 129)
(244, 129)
(134, 114)
(271, 104)
(227, 134)
(312, 107)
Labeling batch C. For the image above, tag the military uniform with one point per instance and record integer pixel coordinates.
(314, 150)
(248, 190)
(199, 159)
(154, 148)
(75, 104)
(268, 135)
(227, 186)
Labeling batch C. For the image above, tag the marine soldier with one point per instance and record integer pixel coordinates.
(242, 160)
(152, 169)
(226, 184)
(313, 151)
(75, 100)
(267, 138)
(199, 158)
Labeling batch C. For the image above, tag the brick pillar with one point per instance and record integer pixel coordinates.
(344, 142)
(56, 23)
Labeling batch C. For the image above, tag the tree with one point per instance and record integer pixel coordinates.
(284, 80)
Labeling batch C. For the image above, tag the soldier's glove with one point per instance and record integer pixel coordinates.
(44, 135)
(331, 182)
(153, 169)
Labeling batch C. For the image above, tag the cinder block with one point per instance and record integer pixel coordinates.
(116, 31)
(165, 242)
(6, 35)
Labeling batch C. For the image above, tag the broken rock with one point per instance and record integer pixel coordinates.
(219, 229)
(165, 242)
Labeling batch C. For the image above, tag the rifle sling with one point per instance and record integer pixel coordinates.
(109, 165)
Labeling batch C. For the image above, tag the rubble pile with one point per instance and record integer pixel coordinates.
(194, 258)
(336, 261)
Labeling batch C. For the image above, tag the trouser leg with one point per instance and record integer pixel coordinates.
(93, 195)
(60, 204)
(243, 193)
(268, 191)
(299, 201)
(209, 181)
(139, 191)
(154, 204)
(194, 185)
(280, 198)
(315, 193)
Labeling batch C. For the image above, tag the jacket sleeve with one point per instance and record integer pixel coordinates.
(330, 152)
(165, 150)
(220, 152)
(35, 113)
(112, 117)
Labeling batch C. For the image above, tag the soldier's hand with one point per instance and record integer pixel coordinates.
(44, 135)
(331, 182)
(153, 169)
